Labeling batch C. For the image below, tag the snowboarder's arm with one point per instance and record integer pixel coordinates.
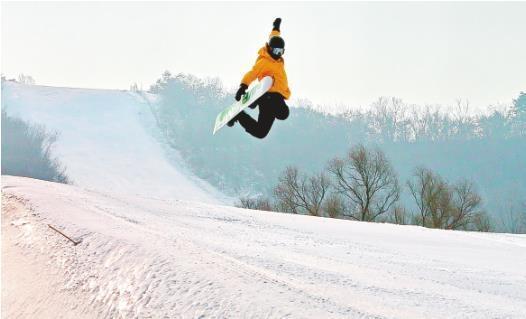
(257, 68)
(276, 24)
(275, 28)
(252, 74)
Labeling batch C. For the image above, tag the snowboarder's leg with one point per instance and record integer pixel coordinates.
(280, 108)
(261, 127)
(244, 119)
(271, 106)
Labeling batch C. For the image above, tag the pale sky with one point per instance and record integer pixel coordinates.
(347, 53)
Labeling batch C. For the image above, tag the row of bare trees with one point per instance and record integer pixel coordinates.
(364, 186)
(300, 194)
(391, 119)
(361, 186)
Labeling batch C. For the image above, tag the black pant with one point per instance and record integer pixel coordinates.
(271, 106)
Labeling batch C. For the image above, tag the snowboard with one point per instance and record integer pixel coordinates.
(253, 93)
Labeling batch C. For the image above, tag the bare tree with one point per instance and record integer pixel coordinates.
(444, 206)
(463, 124)
(334, 206)
(301, 194)
(247, 202)
(466, 204)
(387, 117)
(316, 190)
(257, 203)
(398, 215)
(134, 87)
(286, 191)
(420, 190)
(513, 218)
(26, 79)
(263, 203)
(367, 181)
(433, 198)
(482, 222)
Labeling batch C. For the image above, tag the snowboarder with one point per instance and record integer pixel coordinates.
(271, 104)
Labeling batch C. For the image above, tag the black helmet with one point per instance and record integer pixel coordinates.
(276, 46)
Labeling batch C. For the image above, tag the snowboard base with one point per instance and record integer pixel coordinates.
(254, 93)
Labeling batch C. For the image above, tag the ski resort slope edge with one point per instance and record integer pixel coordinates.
(108, 141)
(152, 258)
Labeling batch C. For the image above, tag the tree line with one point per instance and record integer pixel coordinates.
(27, 151)
(363, 186)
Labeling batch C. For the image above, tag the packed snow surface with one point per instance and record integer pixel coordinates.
(152, 258)
(108, 141)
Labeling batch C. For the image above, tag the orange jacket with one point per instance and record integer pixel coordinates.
(267, 66)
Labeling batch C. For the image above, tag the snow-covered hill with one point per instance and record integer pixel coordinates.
(156, 243)
(108, 141)
(153, 258)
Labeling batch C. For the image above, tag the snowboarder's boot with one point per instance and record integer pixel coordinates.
(233, 121)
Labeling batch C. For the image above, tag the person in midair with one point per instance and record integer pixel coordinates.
(271, 104)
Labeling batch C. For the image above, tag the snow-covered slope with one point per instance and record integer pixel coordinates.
(107, 141)
(152, 258)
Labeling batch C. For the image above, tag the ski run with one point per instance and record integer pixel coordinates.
(154, 241)
(141, 257)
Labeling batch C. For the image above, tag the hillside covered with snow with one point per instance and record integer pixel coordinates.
(164, 258)
(155, 241)
(108, 141)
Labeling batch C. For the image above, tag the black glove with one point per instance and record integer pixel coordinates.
(276, 24)
(242, 89)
